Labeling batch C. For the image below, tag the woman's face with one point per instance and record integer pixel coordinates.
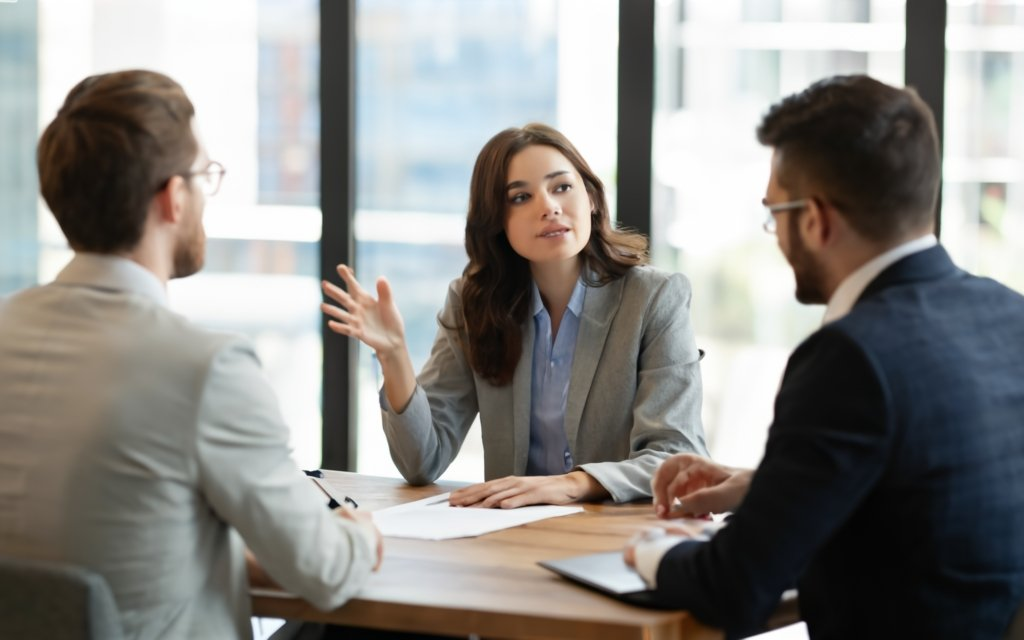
(548, 217)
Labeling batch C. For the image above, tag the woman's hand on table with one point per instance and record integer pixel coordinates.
(519, 491)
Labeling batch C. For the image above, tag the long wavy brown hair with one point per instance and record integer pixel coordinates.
(496, 282)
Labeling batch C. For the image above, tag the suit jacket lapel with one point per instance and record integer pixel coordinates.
(521, 389)
(599, 307)
(930, 264)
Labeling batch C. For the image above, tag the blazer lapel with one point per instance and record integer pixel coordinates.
(599, 307)
(522, 381)
(930, 264)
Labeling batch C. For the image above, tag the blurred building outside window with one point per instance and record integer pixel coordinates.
(720, 65)
(251, 69)
(435, 79)
(983, 168)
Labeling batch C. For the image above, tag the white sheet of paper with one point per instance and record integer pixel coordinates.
(433, 519)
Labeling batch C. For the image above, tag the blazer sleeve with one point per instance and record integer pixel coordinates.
(666, 414)
(247, 475)
(427, 434)
(826, 449)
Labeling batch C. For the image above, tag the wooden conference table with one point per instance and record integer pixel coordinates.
(491, 585)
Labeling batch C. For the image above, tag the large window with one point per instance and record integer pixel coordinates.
(250, 67)
(435, 79)
(720, 66)
(19, 247)
(983, 172)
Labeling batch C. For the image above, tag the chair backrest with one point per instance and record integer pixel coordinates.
(1016, 630)
(49, 600)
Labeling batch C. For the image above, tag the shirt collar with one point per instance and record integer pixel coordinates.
(114, 273)
(853, 285)
(575, 300)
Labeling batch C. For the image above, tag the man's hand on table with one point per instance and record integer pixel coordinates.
(365, 521)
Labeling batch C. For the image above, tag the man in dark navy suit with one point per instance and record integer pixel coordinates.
(891, 491)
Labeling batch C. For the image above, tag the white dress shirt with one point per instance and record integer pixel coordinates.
(853, 285)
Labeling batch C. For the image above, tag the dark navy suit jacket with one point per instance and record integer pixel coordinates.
(891, 491)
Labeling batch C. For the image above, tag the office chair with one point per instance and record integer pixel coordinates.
(49, 600)
(1016, 630)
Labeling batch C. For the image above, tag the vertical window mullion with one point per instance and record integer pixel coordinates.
(337, 203)
(925, 63)
(636, 113)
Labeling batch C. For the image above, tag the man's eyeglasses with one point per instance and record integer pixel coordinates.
(769, 222)
(209, 179)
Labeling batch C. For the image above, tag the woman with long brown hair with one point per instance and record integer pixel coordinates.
(579, 358)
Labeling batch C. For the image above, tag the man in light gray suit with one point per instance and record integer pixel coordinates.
(132, 442)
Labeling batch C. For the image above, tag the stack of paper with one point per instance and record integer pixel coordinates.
(433, 519)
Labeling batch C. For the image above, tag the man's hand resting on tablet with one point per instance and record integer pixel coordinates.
(683, 530)
(701, 487)
(519, 491)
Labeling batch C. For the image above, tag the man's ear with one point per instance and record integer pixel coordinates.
(818, 224)
(170, 201)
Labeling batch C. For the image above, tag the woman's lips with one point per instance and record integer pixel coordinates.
(553, 231)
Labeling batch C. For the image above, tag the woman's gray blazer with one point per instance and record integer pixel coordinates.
(634, 394)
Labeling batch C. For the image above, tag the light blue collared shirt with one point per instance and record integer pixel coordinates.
(552, 369)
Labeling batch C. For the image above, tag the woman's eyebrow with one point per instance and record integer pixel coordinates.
(522, 183)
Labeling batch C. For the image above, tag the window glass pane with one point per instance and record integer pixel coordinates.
(435, 80)
(251, 68)
(720, 65)
(19, 109)
(983, 169)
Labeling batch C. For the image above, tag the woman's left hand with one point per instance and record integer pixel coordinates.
(519, 491)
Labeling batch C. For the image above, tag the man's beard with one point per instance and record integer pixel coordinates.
(190, 251)
(810, 288)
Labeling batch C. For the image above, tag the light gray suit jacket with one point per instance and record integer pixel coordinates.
(634, 393)
(140, 446)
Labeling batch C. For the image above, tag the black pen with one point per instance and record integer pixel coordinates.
(348, 501)
(331, 502)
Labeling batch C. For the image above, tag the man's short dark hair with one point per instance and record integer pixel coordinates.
(116, 141)
(869, 148)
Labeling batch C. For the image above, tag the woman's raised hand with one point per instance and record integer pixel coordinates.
(377, 323)
(374, 321)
